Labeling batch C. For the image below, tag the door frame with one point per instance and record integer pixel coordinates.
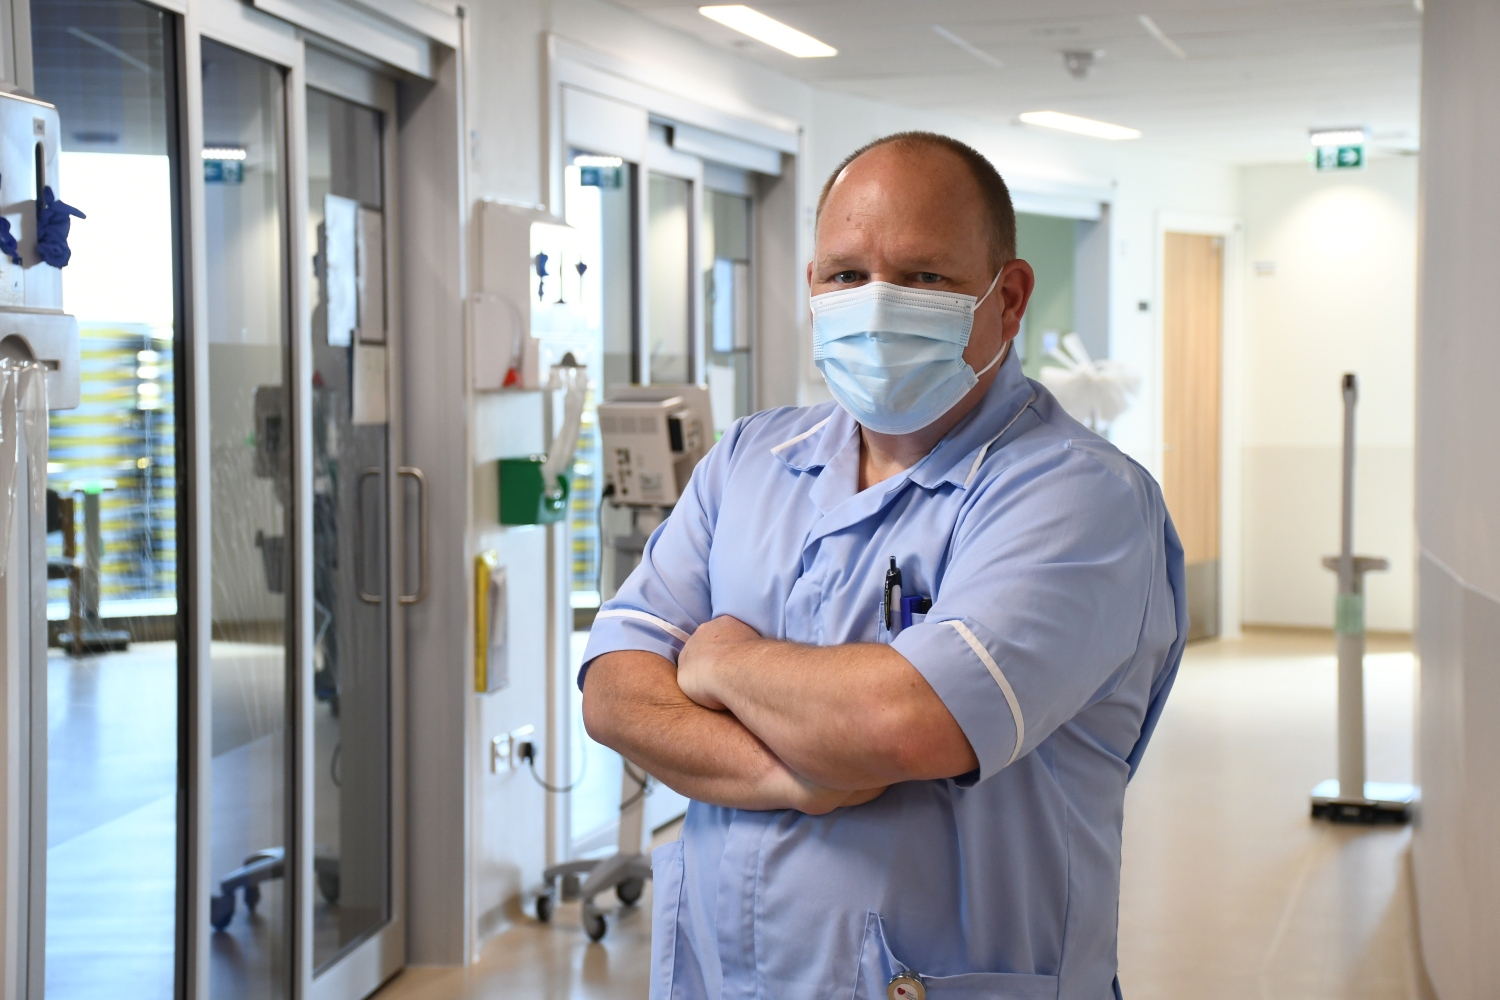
(1231, 394)
(249, 31)
(662, 159)
(380, 955)
(369, 963)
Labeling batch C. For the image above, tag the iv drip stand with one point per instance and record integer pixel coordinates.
(1349, 798)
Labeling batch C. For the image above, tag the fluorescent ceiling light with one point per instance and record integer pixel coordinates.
(588, 160)
(758, 26)
(1337, 136)
(1082, 126)
(223, 152)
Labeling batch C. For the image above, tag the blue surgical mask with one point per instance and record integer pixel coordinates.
(892, 355)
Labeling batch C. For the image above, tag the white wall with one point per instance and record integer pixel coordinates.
(1458, 503)
(507, 119)
(1341, 298)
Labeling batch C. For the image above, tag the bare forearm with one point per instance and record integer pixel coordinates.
(843, 716)
(632, 704)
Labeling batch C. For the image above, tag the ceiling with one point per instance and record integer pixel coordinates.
(1257, 75)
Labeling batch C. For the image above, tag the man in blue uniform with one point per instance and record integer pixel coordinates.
(903, 650)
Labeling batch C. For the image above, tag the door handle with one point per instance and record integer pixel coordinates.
(359, 497)
(415, 473)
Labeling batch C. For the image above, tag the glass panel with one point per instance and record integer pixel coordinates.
(599, 201)
(251, 437)
(668, 279)
(351, 681)
(727, 300)
(589, 309)
(112, 694)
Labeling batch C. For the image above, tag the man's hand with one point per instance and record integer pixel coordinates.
(856, 716)
(632, 704)
(714, 642)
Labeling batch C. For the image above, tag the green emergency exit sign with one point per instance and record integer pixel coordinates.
(1340, 157)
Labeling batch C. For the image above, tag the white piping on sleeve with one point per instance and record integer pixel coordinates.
(803, 436)
(649, 619)
(979, 458)
(1005, 688)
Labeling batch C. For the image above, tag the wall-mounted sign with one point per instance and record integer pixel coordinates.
(1339, 158)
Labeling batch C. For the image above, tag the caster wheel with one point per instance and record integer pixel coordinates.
(328, 887)
(570, 887)
(221, 911)
(252, 896)
(629, 891)
(594, 925)
(544, 908)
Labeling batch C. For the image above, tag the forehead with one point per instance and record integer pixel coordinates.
(907, 193)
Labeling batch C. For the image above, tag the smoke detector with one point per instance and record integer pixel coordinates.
(1079, 62)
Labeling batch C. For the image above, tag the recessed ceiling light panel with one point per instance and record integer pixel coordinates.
(748, 21)
(1080, 126)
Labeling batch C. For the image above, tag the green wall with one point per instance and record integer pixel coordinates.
(1046, 243)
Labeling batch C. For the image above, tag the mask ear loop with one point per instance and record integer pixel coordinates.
(1004, 348)
(988, 291)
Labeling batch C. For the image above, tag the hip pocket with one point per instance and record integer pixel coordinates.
(877, 965)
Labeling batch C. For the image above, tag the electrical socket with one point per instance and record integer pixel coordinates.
(503, 749)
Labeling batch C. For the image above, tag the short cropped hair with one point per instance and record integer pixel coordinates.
(1000, 214)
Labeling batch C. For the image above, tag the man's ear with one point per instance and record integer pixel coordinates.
(809, 274)
(1017, 282)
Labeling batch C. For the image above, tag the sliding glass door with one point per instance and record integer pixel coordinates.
(351, 467)
(252, 441)
(114, 474)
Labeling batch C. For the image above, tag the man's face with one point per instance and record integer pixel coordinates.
(916, 217)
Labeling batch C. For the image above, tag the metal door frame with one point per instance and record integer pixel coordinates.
(362, 968)
(257, 35)
(369, 963)
(663, 159)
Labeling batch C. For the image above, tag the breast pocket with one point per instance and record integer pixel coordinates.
(877, 965)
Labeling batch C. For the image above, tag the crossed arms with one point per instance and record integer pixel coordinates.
(756, 723)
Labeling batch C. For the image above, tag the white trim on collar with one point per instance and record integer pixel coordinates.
(983, 451)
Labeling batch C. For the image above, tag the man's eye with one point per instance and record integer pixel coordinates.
(845, 277)
(928, 278)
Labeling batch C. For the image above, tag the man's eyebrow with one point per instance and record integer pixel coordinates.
(839, 260)
(938, 261)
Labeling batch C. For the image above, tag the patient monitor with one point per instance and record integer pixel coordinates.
(651, 438)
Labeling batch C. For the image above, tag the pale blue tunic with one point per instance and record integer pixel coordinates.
(1057, 623)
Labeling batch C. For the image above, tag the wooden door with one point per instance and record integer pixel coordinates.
(1192, 322)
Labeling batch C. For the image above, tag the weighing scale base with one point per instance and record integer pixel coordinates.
(1383, 802)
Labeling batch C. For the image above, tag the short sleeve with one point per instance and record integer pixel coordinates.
(667, 596)
(1040, 609)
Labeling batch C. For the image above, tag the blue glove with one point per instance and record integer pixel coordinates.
(52, 222)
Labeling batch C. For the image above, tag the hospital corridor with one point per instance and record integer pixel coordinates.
(650, 500)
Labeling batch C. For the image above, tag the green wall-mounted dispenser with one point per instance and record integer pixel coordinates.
(523, 500)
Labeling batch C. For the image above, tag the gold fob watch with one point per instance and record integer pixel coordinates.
(905, 986)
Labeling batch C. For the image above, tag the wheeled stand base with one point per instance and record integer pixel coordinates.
(626, 874)
(1383, 802)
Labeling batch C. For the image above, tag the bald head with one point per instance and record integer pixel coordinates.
(924, 172)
